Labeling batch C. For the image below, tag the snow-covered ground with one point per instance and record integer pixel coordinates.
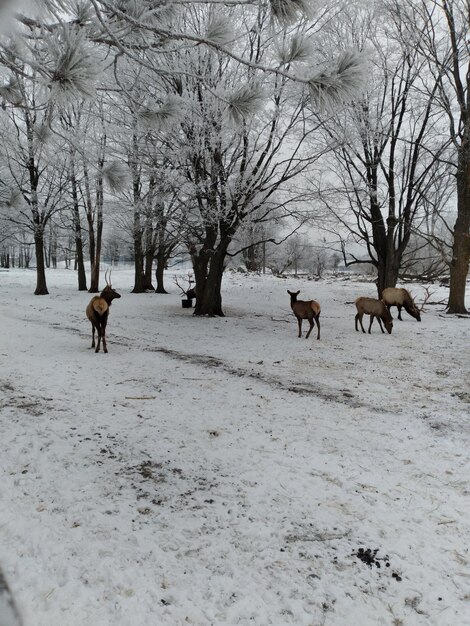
(223, 471)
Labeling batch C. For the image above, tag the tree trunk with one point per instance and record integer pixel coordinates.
(41, 286)
(139, 277)
(148, 270)
(458, 273)
(387, 273)
(95, 270)
(208, 272)
(251, 259)
(160, 272)
(150, 246)
(137, 230)
(79, 260)
(461, 246)
(388, 256)
(90, 216)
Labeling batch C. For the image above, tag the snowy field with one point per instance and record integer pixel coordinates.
(223, 471)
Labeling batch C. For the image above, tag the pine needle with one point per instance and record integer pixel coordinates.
(220, 30)
(297, 49)
(73, 68)
(10, 198)
(116, 175)
(42, 133)
(163, 117)
(245, 102)
(11, 92)
(342, 84)
(287, 11)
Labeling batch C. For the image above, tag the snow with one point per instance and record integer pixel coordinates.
(223, 471)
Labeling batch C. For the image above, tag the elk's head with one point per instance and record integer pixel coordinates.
(415, 312)
(108, 293)
(293, 295)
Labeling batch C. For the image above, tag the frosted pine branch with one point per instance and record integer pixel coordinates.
(163, 117)
(10, 198)
(42, 133)
(116, 175)
(287, 11)
(82, 13)
(342, 84)
(219, 30)
(73, 68)
(11, 92)
(244, 102)
(295, 49)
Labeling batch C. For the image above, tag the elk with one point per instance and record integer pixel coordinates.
(393, 296)
(374, 308)
(97, 312)
(305, 310)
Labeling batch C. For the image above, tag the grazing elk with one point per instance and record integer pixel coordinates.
(97, 312)
(374, 308)
(392, 296)
(305, 310)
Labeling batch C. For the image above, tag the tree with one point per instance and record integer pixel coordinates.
(387, 149)
(239, 151)
(56, 65)
(187, 51)
(444, 46)
(35, 172)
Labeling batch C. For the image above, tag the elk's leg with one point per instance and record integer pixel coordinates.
(399, 312)
(389, 306)
(99, 330)
(104, 322)
(92, 335)
(310, 321)
(380, 324)
(358, 318)
(299, 320)
(371, 320)
(317, 319)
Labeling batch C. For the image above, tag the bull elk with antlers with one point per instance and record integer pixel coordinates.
(97, 312)
(393, 296)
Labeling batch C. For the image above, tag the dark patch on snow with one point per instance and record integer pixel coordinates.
(370, 557)
(8, 611)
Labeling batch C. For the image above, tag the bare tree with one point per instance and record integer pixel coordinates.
(387, 150)
(36, 174)
(444, 46)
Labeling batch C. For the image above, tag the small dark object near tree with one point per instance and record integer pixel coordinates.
(189, 293)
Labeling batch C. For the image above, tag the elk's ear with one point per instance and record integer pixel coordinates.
(297, 293)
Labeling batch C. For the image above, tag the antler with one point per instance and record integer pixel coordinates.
(428, 294)
(107, 278)
(183, 291)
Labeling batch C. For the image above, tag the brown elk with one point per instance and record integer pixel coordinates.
(393, 296)
(374, 308)
(305, 310)
(97, 312)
